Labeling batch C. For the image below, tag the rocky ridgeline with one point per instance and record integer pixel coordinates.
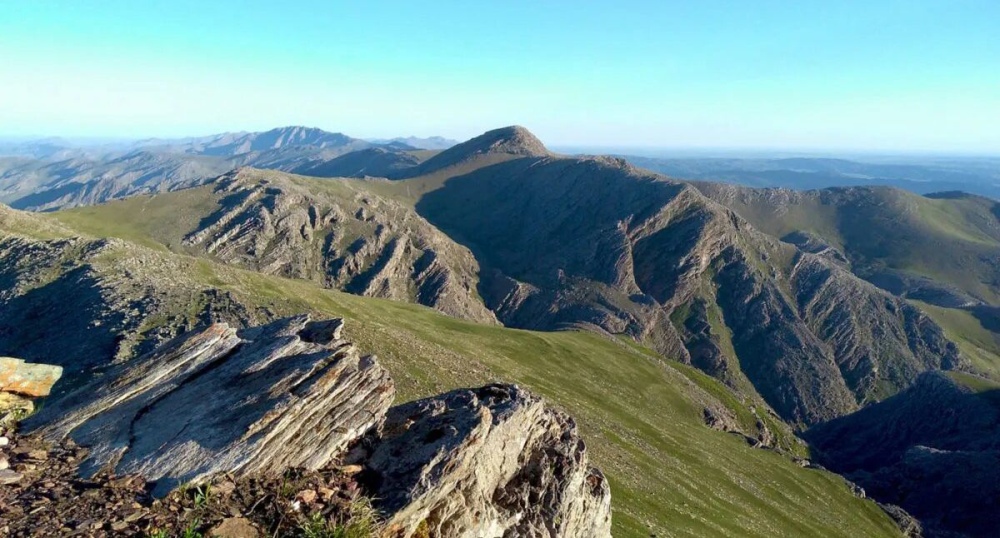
(293, 396)
(342, 239)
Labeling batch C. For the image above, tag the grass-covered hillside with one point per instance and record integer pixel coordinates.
(642, 417)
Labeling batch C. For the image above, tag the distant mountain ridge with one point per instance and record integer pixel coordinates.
(430, 142)
(52, 174)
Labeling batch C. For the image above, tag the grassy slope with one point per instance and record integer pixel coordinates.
(977, 343)
(945, 239)
(670, 474)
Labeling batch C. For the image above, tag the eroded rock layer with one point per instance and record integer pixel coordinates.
(288, 394)
(488, 462)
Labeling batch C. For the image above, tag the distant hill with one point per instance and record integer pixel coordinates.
(922, 175)
(431, 142)
(371, 162)
(52, 174)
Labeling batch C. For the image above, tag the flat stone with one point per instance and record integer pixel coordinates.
(28, 379)
(9, 477)
(235, 527)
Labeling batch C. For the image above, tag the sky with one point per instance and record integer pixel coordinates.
(873, 75)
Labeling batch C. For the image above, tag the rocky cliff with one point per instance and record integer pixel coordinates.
(494, 461)
(346, 239)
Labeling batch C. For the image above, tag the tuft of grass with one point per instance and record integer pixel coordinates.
(202, 495)
(362, 522)
(191, 531)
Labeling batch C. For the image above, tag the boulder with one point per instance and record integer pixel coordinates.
(288, 394)
(27, 379)
(488, 462)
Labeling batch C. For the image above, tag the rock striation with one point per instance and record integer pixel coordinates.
(341, 237)
(288, 394)
(494, 461)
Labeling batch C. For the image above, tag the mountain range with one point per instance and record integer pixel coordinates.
(714, 340)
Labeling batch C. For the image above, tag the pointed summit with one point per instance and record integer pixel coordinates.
(496, 145)
(514, 140)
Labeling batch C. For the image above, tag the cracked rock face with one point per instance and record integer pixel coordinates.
(288, 394)
(487, 462)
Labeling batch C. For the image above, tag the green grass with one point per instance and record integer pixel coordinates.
(949, 240)
(142, 219)
(977, 343)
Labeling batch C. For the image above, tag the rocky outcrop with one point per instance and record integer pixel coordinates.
(494, 461)
(27, 379)
(344, 237)
(288, 394)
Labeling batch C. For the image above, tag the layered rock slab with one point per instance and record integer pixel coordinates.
(488, 462)
(27, 379)
(288, 394)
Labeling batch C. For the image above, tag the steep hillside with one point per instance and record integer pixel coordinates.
(82, 301)
(565, 242)
(341, 235)
(598, 243)
(942, 249)
(932, 449)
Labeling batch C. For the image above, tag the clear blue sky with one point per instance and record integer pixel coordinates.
(898, 75)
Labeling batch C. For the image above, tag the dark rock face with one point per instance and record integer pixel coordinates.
(493, 461)
(933, 449)
(600, 244)
(289, 394)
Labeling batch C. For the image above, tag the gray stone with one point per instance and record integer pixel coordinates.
(288, 394)
(488, 462)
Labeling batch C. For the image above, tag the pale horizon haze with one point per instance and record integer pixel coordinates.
(861, 76)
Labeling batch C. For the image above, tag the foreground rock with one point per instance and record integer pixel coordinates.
(288, 394)
(293, 397)
(493, 461)
(27, 379)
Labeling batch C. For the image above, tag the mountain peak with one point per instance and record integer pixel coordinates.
(504, 143)
(515, 140)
